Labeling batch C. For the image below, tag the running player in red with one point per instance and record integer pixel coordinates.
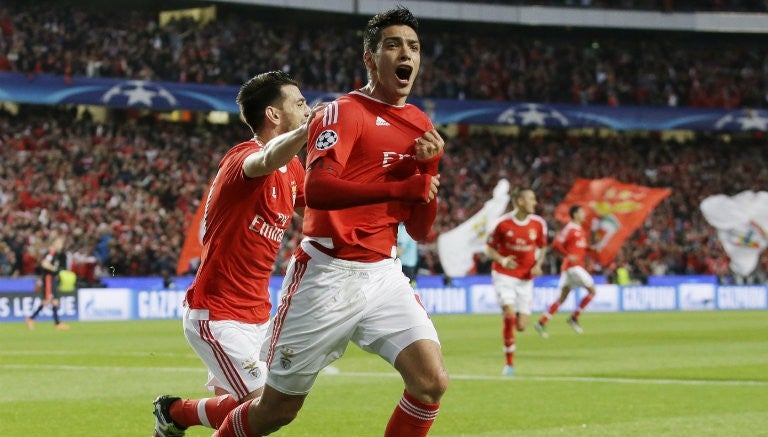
(249, 206)
(572, 243)
(517, 246)
(372, 163)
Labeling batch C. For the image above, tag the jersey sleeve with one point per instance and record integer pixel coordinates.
(335, 132)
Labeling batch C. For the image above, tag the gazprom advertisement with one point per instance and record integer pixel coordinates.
(146, 299)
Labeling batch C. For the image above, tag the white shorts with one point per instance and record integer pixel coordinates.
(230, 350)
(513, 291)
(327, 303)
(575, 277)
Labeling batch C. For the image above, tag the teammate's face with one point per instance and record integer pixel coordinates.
(294, 110)
(527, 202)
(395, 63)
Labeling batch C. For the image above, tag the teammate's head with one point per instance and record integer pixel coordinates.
(275, 97)
(392, 54)
(576, 212)
(525, 200)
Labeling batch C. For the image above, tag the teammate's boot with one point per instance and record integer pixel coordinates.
(541, 329)
(575, 325)
(30, 323)
(508, 370)
(61, 327)
(164, 424)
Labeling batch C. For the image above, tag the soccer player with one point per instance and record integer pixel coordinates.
(572, 243)
(51, 264)
(250, 204)
(372, 162)
(516, 246)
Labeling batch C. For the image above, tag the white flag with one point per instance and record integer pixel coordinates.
(742, 226)
(457, 247)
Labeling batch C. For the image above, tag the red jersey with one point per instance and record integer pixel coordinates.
(373, 142)
(572, 242)
(519, 239)
(242, 227)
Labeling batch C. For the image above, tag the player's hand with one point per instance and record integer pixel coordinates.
(536, 271)
(434, 184)
(508, 262)
(429, 145)
(314, 110)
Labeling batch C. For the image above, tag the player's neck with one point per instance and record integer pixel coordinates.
(376, 91)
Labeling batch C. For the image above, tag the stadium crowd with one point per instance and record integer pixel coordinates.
(460, 60)
(125, 191)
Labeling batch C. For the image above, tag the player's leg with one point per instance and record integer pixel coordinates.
(397, 327)
(505, 287)
(426, 380)
(565, 288)
(583, 279)
(231, 351)
(45, 294)
(320, 307)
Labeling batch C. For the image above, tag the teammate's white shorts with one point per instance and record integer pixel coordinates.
(327, 303)
(231, 351)
(575, 277)
(513, 291)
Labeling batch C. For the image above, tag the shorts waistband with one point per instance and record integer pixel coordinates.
(323, 254)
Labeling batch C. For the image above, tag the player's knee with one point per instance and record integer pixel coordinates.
(435, 387)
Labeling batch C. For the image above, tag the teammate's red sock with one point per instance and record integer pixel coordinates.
(509, 338)
(208, 412)
(550, 312)
(584, 302)
(236, 423)
(411, 418)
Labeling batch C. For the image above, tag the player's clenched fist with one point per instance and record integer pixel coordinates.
(429, 145)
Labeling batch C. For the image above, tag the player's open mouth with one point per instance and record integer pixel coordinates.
(403, 73)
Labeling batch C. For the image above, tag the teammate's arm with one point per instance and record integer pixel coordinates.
(508, 262)
(279, 150)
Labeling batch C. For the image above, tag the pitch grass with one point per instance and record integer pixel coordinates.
(630, 374)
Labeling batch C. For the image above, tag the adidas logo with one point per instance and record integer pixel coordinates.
(381, 122)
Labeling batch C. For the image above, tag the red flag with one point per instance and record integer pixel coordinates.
(193, 241)
(613, 211)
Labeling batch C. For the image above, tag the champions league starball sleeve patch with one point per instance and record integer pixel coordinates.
(326, 140)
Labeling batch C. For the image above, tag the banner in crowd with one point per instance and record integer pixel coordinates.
(163, 96)
(742, 226)
(189, 258)
(457, 247)
(613, 211)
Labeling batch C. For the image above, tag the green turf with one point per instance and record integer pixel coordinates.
(630, 374)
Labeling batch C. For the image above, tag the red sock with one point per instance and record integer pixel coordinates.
(208, 412)
(550, 312)
(509, 338)
(236, 423)
(584, 302)
(411, 418)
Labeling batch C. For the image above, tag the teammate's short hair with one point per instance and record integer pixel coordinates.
(573, 210)
(392, 17)
(518, 193)
(258, 93)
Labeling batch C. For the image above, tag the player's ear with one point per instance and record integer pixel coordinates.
(369, 62)
(272, 114)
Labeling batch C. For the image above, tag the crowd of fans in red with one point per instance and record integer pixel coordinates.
(125, 191)
(460, 60)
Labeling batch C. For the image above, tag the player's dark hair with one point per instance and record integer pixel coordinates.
(573, 209)
(260, 91)
(397, 16)
(518, 193)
